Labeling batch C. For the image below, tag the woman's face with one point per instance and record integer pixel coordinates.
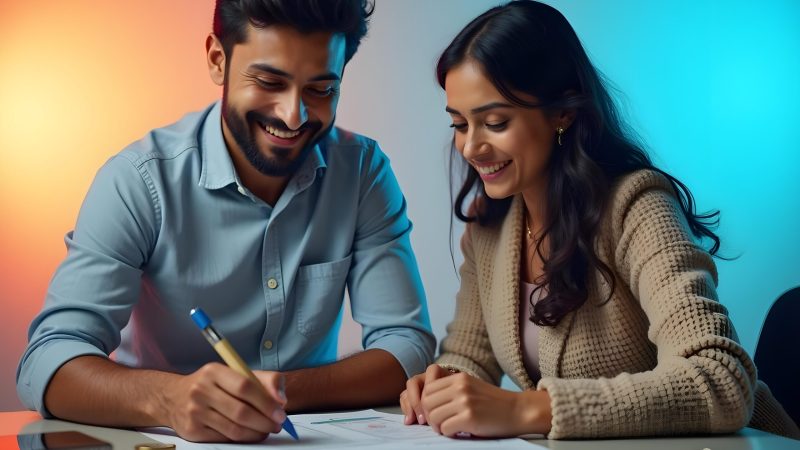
(508, 145)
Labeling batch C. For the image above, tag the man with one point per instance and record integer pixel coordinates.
(258, 210)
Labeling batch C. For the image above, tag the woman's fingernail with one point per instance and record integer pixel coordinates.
(421, 419)
(279, 415)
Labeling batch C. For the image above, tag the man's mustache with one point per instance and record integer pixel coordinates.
(279, 124)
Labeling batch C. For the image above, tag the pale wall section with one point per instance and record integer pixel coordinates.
(711, 86)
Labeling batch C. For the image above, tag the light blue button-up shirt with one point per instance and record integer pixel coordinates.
(167, 225)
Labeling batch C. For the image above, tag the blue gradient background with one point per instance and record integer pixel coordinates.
(711, 86)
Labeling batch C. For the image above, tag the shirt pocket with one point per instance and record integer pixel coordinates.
(319, 291)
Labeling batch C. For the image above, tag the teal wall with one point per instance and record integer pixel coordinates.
(714, 88)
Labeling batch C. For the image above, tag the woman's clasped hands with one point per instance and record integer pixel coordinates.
(454, 403)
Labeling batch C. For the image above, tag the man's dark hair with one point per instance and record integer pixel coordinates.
(350, 17)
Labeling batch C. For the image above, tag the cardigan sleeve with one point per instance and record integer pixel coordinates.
(466, 347)
(704, 381)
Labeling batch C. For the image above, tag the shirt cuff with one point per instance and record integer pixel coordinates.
(42, 364)
(414, 357)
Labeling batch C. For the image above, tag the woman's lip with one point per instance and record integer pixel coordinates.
(492, 176)
(491, 163)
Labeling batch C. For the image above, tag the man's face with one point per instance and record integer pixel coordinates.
(281, 88)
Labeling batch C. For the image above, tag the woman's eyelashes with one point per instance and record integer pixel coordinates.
(497, 126)
(492, 126)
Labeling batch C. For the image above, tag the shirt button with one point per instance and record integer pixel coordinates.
(241, 190)
(272, 283)
(268, 345)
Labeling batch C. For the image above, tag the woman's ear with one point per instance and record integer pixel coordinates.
(566, 116)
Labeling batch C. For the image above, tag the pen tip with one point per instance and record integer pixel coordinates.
(289, 427)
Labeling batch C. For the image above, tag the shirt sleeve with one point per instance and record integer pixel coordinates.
(386, 293)
(91, 295)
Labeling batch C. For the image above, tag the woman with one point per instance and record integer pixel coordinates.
(582, 280)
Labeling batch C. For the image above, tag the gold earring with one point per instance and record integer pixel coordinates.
(560, 131)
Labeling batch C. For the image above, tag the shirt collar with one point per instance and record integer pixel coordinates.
(218, 170)
(313, 166)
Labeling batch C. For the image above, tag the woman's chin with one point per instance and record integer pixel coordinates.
(498, 193)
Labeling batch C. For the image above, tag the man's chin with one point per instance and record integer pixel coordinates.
(277, 161)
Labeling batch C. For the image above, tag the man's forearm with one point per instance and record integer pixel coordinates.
(370, 378)
(95, 390)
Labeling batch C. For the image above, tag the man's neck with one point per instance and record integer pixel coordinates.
(265, 187)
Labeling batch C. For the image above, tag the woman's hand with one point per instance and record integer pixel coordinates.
(465, 404)
(410, 399)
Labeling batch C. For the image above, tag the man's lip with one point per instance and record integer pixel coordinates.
(285, 142)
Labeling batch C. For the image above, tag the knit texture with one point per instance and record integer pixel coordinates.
(661, 357)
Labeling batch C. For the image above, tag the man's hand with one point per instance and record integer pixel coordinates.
(215, 403)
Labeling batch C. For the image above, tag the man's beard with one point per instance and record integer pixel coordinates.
(281, 164)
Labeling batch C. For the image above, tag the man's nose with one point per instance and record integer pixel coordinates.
(292, 110)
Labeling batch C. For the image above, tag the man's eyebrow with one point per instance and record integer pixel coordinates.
(481, 109)
(263, 67)
(330, 76)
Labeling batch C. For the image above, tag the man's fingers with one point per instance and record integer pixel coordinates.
(232, 430)
(242, 400)
(240, 412)
(275, 384)
(253, 393)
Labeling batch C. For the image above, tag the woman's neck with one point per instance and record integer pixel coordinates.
(535, 210)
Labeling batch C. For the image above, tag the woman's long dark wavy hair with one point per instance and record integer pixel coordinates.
(529, 47)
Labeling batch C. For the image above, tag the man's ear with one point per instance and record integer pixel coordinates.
(215, 57)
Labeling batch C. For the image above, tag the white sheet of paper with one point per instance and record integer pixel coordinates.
(367, 429)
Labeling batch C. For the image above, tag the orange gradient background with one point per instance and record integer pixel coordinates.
(710, 85)
(125, 67)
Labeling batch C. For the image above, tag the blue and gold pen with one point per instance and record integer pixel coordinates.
(229, 355)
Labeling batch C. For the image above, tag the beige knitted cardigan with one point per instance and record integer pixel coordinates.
(660, 358)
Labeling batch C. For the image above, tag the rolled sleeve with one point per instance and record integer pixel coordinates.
(413, 354)
(38, 367)
(386, 292)
(94, 289)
